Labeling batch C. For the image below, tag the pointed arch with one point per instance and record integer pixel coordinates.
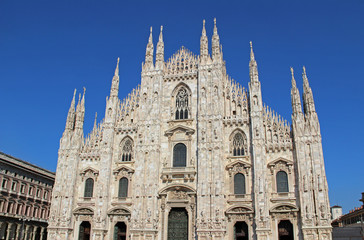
(127, 149)
(238, 143)
(181, 97)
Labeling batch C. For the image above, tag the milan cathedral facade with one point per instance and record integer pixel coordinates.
(191, 154)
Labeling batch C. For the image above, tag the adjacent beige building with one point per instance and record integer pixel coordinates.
(192, 154)
(25, 197)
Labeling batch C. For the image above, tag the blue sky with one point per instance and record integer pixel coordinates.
(48, 48)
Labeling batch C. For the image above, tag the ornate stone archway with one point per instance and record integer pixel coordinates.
(240, 213)
(177, 196)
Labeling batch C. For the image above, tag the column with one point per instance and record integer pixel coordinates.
(26, 232)
(8, 231)
(34, 232)
(18, 228)
(42, 233)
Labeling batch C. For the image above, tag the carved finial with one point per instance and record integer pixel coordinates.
(304, 76)
(95, 122)
(161, 35)
(252, 57)
(151, 36)
(203, 28)
(215, 28)
(84, 91)
(117, 68)
(74, 93)
(293, 80)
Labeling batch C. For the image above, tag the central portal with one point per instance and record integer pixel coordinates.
(178, 224)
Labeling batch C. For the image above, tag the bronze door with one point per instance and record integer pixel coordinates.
(178, 224)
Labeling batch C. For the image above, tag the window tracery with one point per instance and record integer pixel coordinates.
(238, 144)
(127, 150)
(182, 111)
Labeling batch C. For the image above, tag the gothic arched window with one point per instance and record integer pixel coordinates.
(179, 155)
(182, 104)
(127, 150)
(123, 187)
(238, 145)
(282, 181)
(89, 187)
(239, 183)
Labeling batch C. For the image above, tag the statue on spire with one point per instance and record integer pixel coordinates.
(149, 51)
(204, 51)
(160, 51)
(253, 66)
(216, 54)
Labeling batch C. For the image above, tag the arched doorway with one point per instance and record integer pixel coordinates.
(178, 224)
(85, 231)
(285, 230)
(120, 231)
(241, 231)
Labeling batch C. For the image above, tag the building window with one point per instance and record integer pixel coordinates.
(123, 187)
(238, 145)
(30, 191)
(127, 150)
(282, 182)
(38, 192)
(5, 183)
(182, 104)
(179, 155)
(22, 188)
(239, 183)
(13, 186)
(89, 188)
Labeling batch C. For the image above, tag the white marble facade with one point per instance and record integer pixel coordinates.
(190, 140)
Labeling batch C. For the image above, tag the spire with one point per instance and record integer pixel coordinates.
(115, 81)
(204, 51)
(160, 51)
(95, 122)
(80, 110)
(215, 43)
(252, 57)
(253, 66)
(70, 123)
(149, 51)
(309, 104)
(294, 85)
(295, 97)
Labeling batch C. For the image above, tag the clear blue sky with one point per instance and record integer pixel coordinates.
(48, 48)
